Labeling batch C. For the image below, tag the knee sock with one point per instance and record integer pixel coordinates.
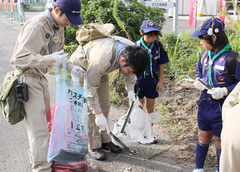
(218, 156)
(201, 153)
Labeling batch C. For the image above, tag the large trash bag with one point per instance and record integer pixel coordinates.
(68, 124)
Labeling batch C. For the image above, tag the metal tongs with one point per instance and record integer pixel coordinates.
(121, 143)
(193, 80)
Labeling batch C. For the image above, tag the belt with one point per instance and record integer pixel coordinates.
(149, 74)
(33, 75)
(210, 98)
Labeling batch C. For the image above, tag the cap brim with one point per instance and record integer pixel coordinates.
(196, 33)
(150, 30)
(74, 20)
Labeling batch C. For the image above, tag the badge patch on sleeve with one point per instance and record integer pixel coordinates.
(222, 60)
(47, 35)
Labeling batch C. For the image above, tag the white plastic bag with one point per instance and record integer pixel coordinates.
(137, 129)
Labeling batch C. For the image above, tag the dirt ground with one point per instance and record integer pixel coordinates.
(177, 135)
(181, 124)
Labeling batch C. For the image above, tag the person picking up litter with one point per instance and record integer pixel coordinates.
(101, 59)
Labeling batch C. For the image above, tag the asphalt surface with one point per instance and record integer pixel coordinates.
(14, 141)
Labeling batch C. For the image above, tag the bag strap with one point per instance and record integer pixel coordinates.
(20, 71)
(203, 56)
(231, 63)
(114, 51)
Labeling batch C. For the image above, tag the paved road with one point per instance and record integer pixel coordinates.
(14, 143)
(13, 139)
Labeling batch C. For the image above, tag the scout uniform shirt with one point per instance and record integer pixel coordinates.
(220, 75)
(99, 63)
(32, 46)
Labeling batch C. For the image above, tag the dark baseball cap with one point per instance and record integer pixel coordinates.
(209, 26)
(72, 9)
(149, 26)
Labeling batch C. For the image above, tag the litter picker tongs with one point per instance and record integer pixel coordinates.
(129, 112)
(124, 125)
(121, 143)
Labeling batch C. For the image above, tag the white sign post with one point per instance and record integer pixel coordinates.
(160, 4)
(165, 4)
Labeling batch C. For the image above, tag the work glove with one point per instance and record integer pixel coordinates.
(57, 57)
(198, 85)
(218, 92)
(131, 97)
(101, 122)
(77, 72)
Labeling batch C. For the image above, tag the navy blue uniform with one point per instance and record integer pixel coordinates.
(147, 83)
(209, 109)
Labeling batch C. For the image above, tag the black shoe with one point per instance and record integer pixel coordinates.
(97, 154)
(154, 141)
(112, 147)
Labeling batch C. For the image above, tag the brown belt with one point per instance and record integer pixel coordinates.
(32, 75)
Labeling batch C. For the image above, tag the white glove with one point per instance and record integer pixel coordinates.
(78, 72)
(218, 92)
(57, 57)
(199, 85)
(101, 122)
(131, 97)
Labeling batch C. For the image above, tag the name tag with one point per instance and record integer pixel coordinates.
(219, 67)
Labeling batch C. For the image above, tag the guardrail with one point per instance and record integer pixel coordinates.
(13, 12)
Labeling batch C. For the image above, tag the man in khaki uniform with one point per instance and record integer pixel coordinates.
(37, 49)
(230, 136)
(99, 62)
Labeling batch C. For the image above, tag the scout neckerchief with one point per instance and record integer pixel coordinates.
(150, 54)
(211, 61)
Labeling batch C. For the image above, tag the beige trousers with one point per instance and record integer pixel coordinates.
(230, 141)
(95, 136)
(36, 108)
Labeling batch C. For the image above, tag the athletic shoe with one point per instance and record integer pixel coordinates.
(97, 154)
(198, 170)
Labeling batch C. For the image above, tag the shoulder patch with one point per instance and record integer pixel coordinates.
(238, 59)
(47, 35)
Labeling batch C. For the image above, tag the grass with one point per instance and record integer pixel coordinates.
(35, 9)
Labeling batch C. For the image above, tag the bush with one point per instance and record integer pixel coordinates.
(25, 5)
(118, 92)
(232, 30)
(126, 20)
(183, 51)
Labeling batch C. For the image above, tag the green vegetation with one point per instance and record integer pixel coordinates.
(39, 9)
(126, 20)
(183, 51)
(233, 25)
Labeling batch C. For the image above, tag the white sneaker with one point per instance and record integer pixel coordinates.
(198, 170)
